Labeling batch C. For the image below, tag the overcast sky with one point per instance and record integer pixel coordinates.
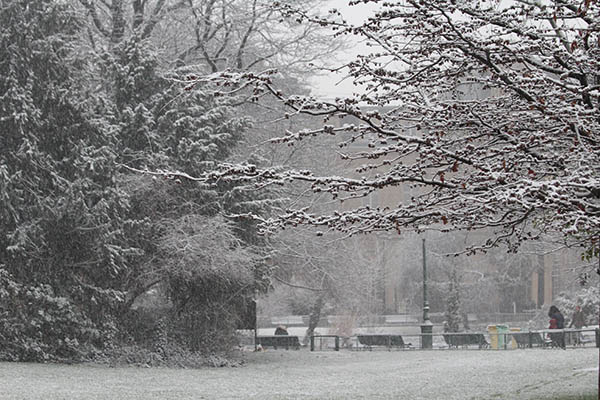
(333, 85)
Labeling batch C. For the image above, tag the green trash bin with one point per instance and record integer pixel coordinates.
(503, 336)
(498, 336)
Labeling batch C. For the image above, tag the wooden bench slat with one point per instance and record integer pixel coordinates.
(465, 339)
(276, 341)
(381, 340)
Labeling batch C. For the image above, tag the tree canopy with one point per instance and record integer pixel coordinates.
(484, 114)
(88, 89)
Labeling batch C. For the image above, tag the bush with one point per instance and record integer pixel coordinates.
(170, 355)
(202, 327)
(38, 325)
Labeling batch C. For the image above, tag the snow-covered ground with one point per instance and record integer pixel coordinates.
(300, 374)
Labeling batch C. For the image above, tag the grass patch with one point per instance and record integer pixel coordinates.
(301, 374)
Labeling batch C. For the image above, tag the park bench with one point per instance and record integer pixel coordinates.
(276, 341)
(579, 337)
(529, 339)
(464, 340)
(588, 336)
(389, 341)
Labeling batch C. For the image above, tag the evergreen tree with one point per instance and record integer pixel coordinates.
(60, 239)
(158, 126)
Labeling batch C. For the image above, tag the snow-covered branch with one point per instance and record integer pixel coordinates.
(481, 115)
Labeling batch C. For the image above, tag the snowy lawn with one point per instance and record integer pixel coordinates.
(409, 374)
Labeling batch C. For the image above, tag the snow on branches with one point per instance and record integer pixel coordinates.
(488, 110)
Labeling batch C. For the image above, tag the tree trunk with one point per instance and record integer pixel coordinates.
(138, 14)
(118, 21)
(315, 315)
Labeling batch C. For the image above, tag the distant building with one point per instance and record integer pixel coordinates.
(546, 273)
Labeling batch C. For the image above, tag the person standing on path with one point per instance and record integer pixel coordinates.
(557, 338)
(577, 321)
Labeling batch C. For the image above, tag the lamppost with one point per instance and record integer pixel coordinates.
(426, 326)
(255, 301)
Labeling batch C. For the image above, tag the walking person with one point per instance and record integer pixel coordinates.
(577, 321)
(557, 321)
